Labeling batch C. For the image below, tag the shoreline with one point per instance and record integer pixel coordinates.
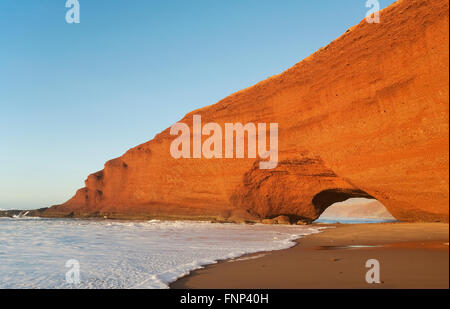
(411, 255)
(272, 238)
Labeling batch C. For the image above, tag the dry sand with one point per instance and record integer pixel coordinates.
(411, 255)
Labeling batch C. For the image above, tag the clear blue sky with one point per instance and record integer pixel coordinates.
(73, 96)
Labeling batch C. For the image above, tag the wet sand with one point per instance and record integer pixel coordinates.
(411, 255)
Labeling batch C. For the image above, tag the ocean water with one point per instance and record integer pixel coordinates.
(112, 254)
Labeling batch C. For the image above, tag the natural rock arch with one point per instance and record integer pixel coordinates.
(300, 188)
(326, 198)
(379, 121)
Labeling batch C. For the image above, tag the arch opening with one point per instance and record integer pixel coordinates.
(350, 206)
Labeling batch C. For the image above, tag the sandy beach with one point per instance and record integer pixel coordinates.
(411, 255)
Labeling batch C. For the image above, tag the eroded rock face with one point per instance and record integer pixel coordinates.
(366, 115)
(293, 189)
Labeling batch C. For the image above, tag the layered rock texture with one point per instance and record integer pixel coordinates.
(365, 116)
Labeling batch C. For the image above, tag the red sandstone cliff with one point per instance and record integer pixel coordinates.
(366, 115)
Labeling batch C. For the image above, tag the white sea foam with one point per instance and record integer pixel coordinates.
(33, 252)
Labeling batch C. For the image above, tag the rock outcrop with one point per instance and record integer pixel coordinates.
(365, 116)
